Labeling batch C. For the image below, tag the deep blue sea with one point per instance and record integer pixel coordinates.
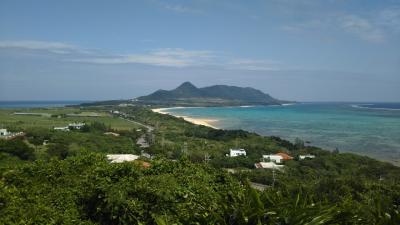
(37, 104)
(371, 129)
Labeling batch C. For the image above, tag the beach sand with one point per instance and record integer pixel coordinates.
(199, 121)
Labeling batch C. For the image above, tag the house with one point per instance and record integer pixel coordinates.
(268, 165)
(142, 142)
(285, 156)
(308, 156)
(273, 158)
(76, 126)
(119, 158)
(146, 155)
(237, 152)
(61, 128)
(278, 157)
(3, 132)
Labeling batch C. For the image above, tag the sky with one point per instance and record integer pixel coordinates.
(302, 50)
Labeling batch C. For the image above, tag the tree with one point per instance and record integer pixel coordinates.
(37, 135)
(298, 143)
(18, 148)
(58, 150)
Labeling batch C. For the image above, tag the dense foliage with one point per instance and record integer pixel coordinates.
(17, 148)
(69, 181)
(90, 190)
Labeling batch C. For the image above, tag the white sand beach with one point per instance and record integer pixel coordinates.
(199, 121)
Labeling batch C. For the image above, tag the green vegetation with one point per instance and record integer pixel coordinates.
(69, 181)
(17, 148)
(54, 117)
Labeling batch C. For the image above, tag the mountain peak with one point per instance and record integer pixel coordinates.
(186, 85)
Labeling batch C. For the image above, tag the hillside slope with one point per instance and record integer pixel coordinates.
(218, 95)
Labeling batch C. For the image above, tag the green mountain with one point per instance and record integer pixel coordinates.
(189, 95)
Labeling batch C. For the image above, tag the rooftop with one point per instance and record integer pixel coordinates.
(119, 158)
(285, 156)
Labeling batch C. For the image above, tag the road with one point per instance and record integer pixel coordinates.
(149, 128)
(141, 141)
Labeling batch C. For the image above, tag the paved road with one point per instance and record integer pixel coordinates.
(141, 141)
(149, 128)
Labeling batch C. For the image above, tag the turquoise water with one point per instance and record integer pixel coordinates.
(371, 129)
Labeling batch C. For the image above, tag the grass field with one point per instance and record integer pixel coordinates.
(8, 119)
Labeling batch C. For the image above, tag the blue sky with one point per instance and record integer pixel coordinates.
(305, 50)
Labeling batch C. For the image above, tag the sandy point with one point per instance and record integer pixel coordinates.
(199, 121)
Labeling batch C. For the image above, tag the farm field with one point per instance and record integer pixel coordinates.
(54, 117)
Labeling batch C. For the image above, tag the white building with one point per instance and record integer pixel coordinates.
(237, 152)
(61, 128)
(3, 132)
(309, 156)
(119, 158)
(77, 126)
(273, 158)
(268, 165)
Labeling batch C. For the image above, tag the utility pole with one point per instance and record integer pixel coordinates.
(184, 150)
(206, 158)
(162, 141)
(273, 176)
(204, 145)
(380, 181)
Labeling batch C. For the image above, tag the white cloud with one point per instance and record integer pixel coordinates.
(362, 27)
(375, 25)
(251, 64)
(178, 52)
(55, 47)
(174, 57)
(390, 18)
(182, 9)
(169, 57)
(365, 28)
(307, 25)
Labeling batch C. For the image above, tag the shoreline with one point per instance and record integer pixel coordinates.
(208, 122)
(345, 146)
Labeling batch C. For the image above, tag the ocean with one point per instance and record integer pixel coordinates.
(371, 129)
(37, 104)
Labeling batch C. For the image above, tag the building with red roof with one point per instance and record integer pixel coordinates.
(285, 156)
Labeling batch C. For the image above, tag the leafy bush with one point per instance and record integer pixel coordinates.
(17, 147)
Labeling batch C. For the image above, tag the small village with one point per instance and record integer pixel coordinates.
(270, 161)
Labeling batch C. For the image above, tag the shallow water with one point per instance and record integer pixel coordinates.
(371, 129)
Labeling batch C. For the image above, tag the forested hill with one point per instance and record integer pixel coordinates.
(189, 95)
